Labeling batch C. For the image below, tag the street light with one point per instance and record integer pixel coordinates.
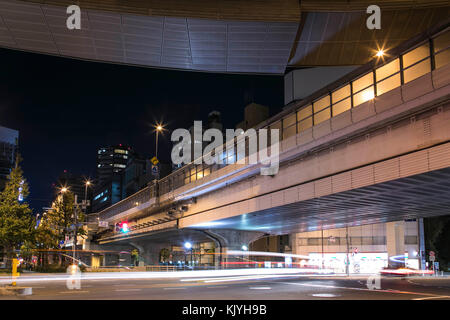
(159, 127)
(86, 185)
(188, 246)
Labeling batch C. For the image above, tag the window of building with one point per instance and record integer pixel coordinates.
(363, 89)
(388, 84)
(342, 106)
(363, 96)
(416, 63)
(362, 83)
(410, 239)
(379, 240)
(442, 49)
(355, 241)
(388, 77)
(304, 117)
(314, 241)
(322, 116)
(276, 125)
(341, 100)
(416, 55)
(417, 70)
(289, 126)
(321, 109)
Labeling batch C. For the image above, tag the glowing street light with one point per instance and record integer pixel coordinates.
(244, 248)
(159, 127)
(188, 245)
(380, 53)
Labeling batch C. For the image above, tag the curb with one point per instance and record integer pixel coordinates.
(21, 291)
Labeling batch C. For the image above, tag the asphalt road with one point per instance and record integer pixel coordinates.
(226, 288)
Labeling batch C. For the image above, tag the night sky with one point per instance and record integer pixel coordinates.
(66, 109)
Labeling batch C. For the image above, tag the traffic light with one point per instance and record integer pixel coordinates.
(124, 227)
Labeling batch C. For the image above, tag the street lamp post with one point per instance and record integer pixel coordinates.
(86, 185)
(159, 128)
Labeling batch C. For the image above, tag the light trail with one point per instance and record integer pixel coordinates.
(162, 275)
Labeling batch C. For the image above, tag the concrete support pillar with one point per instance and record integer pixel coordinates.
(395, 242)
(231, 240)
(422, 254)
(149, 252)
(114, 257)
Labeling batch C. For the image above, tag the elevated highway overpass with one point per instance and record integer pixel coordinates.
(242, 36)
(371, 147)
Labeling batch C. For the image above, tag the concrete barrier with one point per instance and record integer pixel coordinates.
(21, 291)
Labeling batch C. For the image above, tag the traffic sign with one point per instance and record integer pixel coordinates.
(154, 160)
(432, 253)
(103, 224)
(155, 169)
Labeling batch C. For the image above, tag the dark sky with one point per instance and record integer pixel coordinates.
(66, 109)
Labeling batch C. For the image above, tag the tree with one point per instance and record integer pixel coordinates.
(435, 235)
(16, 220)
(59, 222)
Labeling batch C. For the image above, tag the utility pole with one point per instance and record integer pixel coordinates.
(323, 261)
(347, 265)
(75, 229)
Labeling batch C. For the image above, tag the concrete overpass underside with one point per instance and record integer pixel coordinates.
(246, 36)
(422, 195)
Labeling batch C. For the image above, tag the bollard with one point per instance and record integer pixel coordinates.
(15, 274)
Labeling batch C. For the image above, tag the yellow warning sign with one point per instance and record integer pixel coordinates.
(154, 160)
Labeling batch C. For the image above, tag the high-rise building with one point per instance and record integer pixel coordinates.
(111, 161)
(9, 140)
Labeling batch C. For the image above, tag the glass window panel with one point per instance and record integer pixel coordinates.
(410, 239)
(417, 71)
(321, 103)
(305, 112)
(193, 177)
(321, 116)
(340, 94)
(355, 240)
(362, 82)
(442, 58)
(441, 42)
(388, 69)
(416, 55)
(192, 170)
(314, 241)
(288, 132)
(388, 84)
(367, 240)
(199, 175)
(379, 240)
(206, 171)
(186, 180)
(289, 121)
(305, 124)
(277, 125)
(363, 96)
(342, 106)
